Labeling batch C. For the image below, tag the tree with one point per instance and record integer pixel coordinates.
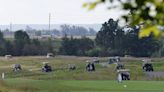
(65, 29)
(8, 47)
(64, 45)
(144, 47)
(74, 46)
(92, 32)
(34, 48)
(105, 37)
(117, 41)
(110, 38)
(1, 38)
(56, 32)
(83, 45)
(149, 12)
(20, 38)
(2, 44)
(74, 30)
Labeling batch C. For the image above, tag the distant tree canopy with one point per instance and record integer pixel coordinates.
(1, 36)
(106, 36)
(21, 36)
(111, 40)
(144, 47)
(2, 43)
(21, 39)
(115, 40)
(23, 45)
(76, 31)
(149, 12)
(74, 46)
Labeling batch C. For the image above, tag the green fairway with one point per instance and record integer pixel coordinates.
(85, 85)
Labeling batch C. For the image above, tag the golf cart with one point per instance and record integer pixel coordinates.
(17, 67)
(46, 67)
(119, 66)
(147, 65)
(125, 75)
(114, 60)
(96, 60)
(71, 66)
(90, 66)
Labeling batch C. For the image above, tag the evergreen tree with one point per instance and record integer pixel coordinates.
(20, 38)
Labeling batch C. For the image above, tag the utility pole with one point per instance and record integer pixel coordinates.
(49, 27)
(49, 21)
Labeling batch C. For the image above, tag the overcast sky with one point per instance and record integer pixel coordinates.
(62, 11)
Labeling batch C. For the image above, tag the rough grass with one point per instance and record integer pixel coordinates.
(60, 63)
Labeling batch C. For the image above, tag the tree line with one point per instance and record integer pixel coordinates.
(111, 40)
(70, 30)
(114, 40)
(64, 29)
(23, 45)
(74, 46)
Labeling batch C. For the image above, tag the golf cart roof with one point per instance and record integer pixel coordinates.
(45, 62)
(123, 70)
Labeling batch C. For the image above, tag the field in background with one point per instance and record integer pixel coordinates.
(31, 79)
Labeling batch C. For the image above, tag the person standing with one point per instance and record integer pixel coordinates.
(119, 78)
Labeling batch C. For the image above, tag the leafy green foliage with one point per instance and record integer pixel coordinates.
(148, 11)
(110, 38)
(21, 39)
(23, 45)
(95, 52)
(114, 40)
(2, 44)
(105, 37)
(146, 32)
(73, 46)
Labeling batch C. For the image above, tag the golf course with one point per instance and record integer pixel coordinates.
(61, 79)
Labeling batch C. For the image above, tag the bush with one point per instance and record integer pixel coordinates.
(95, 52)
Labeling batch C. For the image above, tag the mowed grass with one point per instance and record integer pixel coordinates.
(32, 79)
(85, 85)
(60, 68)
(32, 68)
